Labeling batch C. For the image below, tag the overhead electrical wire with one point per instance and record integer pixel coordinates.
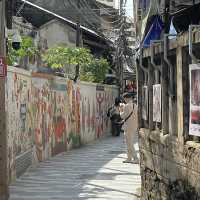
(21, 8)
(122, 41)
(83, 14)
(120, 22)
(114, 24)
(80, 12)
(18, 13)
(84, 3)
(104, 8)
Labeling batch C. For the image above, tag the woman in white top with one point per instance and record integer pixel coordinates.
(129, 115)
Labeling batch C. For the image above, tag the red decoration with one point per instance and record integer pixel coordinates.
(3, 67)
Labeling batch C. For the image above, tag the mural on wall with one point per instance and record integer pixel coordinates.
(19, 121)
(60, 117)
(194, 100)
(110, 96)
(100, 101)
(157, 103)
(42, 111)
(73, 114)
(105, 97)
(88, 112)
(59, 128)
(51, 115)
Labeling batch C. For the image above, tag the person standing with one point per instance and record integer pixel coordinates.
(114, 115)
(129, 115)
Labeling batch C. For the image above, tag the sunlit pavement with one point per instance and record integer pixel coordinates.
(95, 171)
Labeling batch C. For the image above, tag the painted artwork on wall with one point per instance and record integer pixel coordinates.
(145, 102)
(19, 120)
(100, 101)
(49, 115)
(157, 103)
(194, 100)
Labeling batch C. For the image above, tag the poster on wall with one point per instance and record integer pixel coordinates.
(194, 100)
(145, 103)
(157, 103)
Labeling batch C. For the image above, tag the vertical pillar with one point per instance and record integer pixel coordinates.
(165, 98)
(139, 96)
(3, 129)
(180, 107)
(150, 89)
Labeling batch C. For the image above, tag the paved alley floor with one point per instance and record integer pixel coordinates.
(95, 171)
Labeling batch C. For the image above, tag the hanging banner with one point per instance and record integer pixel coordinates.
(157, 103)
(194, 100)
(3, 67)
(145, 102)
(149, 8)
(154, 31)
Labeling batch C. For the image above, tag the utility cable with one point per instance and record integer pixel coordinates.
(86, 20)
(79, 11)
(84, 3)
(21, 8)
(104, 8)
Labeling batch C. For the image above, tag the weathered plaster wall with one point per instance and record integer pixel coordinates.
(48, 115)
(169, 169)
(169, 155)
(58, 33)
(18, 97)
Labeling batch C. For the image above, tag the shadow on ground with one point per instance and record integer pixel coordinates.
(95, 171)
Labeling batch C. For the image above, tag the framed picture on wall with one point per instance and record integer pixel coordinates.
(194, 100)
(157, 103)
(145, 102)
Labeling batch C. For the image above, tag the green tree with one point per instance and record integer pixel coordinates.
(66, 58)
(27, 48)
(95, 71)
(61, 57)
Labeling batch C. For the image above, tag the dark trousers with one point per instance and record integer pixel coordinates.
(116, 129)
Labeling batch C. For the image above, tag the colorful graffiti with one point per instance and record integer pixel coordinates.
(18, 118)
(51, 115)
(100, 100)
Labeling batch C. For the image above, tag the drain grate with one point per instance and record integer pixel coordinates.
(23, 162)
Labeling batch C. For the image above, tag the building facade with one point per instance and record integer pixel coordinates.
(168, 114)
(57, 33)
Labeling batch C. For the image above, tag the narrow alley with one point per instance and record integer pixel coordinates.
(94, 171)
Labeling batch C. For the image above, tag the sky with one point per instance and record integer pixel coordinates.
(129, 8)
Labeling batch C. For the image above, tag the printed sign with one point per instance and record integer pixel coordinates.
(194, 100)
(157, 103)
(3, 67)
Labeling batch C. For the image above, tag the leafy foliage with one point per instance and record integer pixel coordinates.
(61, 57)
(28, 48)
(95, 71)
(91, 69)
